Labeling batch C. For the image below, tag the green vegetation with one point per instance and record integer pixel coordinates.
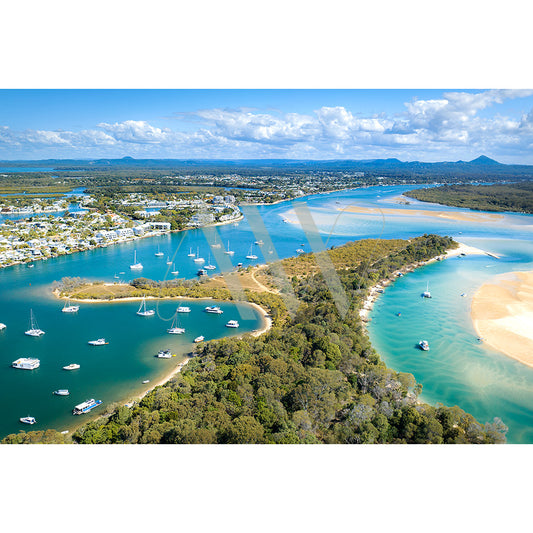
(507, 197)
(313, 378)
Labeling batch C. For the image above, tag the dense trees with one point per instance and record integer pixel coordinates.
(313, 378)
(506, 197)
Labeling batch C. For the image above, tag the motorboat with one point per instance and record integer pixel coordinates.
(232, 324)
(259, 242)
(28, 420)
(61, 392)
(143, 311)
(199, 339)
(34, 330)
(214, 309)
(98, 342)
(300, 251)
(136, 265)
(86, 406)
(26, 363)
(183, 309)
(72, 366)
(2, 326)
(201, 272)
(67, 308)
(164, 354)
(424, 345)
(146, 381)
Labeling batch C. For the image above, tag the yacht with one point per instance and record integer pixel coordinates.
(228, 251)
(26, 363)
(159, 253)
(251, 255)
(169, 262)
(72, 366)
(98, 342)
(146, 381)
(135, 265)
(259, 242)
(214, 309)
(201, 272)
(174, 271)
(232, 324)
(70, 308)
(463, 295)
(2, 326)
(191, 253)
(424, 345)
(28, 420)
(300, 251)
(426, 293)
(209, 266)
(198, 259)
(199, 339)
(215, 244)
(34, 331)
(143, 311)
(86, 406)
(30, 265)
(61, 392)
(183, 309)
(176, 328)
(164, 354)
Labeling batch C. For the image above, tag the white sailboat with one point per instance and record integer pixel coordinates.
(34, 331)
(209, 266)
(175, 329)
(191, 253)
(135, 265)
(169, 262)
(251, 255)
(70, 308)
(215, 244)
(426, 293)
(159, 253)
(228, 251)
(174, 271)
(143, 311)
(198, 259)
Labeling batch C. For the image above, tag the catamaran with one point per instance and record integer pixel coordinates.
(228, 251)
(176, 328)
(34, 331)
(426, 293)
(143, 311)
(70, 308)
(232, 324)
(135, 265)
(174, 271)
(98, 342)
(251, 255)
(198, 259)
(159, 253)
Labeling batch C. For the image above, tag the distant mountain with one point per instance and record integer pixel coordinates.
(484, 160)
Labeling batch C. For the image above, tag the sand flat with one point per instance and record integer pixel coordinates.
(502, 313)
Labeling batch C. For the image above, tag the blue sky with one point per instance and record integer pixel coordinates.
(429, 125)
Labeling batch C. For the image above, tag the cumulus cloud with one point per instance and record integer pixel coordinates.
(433, 128)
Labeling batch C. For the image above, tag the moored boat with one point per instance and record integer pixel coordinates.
(143, 311)
(28, 420)
(61, 392)
(164, 354)
(214, 309)
(232, 324)
(86, 406)
(67, 308)
(136, 265)
(175, 328)
(426, 293)
(26, 363)
(424, 345)
(2, 326)
(98, 342)
(34, 330)
(199, 339)
(183, 309)
(72, 366)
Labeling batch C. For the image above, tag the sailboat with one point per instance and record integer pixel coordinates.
(135, 265)
(209, 266)
(426, 293)
(34, 331)
(143, 311)
(250, 254)
(191, 253)
(228, 251)
(215, 244)
(159, 253)
(70, 308)
(169, 262)
(174, 271)
(198, 259)
(175, 329)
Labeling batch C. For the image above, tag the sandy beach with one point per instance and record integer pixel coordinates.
(502, 313)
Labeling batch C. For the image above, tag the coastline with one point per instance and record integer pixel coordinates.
(502, 315)
(377, 289)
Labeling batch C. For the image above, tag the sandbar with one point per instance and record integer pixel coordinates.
(502, 313)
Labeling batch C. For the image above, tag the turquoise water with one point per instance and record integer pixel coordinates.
(457, 370)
